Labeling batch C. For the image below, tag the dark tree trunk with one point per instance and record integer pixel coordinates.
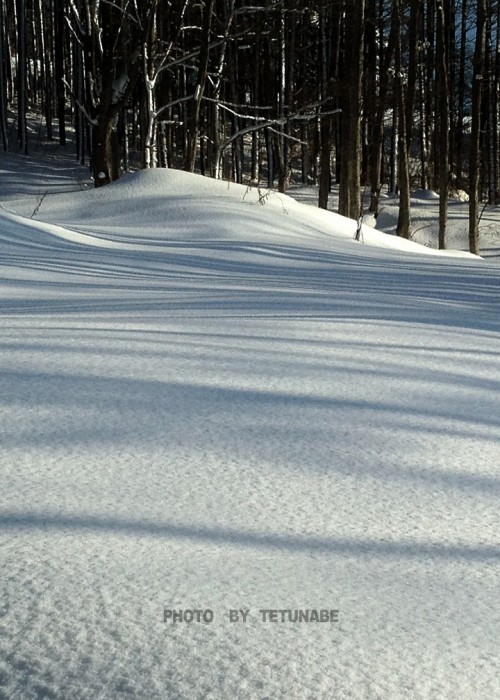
(3, 81)
(105, 151)
(403, 225)
(459, 138)
(330, 37)
(352, 74)
(383, 56)
(21, 76)
(59, 34)
(443, 121)
(194, 106)
(475, 152)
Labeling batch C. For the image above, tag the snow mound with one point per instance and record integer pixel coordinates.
(152, 208)
(214, 399)
(425, 194)
(460, 196)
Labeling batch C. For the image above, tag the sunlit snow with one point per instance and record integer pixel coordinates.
(214, 398)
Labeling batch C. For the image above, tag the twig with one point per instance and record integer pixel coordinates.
(35, 211)
(358, 236)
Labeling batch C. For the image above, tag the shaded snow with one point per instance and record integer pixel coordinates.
(212, 402)
(425, 194)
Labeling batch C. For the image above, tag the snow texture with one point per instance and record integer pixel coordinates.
(214, 398)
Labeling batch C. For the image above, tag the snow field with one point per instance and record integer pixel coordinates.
(209, 403)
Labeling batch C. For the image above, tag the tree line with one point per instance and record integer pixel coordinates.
(366, 94)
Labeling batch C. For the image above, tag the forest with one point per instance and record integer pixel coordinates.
(369, 95)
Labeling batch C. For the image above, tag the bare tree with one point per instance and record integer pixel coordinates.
(21, 75)
(194, 105)
(3, 79)
(443, 129)
(380, 53)
(112, 36)
(403, 225)
(482, 7)
(330, 27)
(351, 104)
(59, 67)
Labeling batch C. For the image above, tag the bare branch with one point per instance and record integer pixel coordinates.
(79, 105)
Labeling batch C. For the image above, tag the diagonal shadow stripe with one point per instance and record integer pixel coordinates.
(223, 536)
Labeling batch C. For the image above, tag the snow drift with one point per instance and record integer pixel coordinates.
(213, 398)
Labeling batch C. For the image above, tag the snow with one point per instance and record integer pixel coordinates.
(425, 194)
(214, 398)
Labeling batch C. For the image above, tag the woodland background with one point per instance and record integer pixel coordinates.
(365, 94)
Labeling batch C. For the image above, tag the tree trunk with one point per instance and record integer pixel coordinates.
(329, 37)
(383, 55)
(59, 32)
(443, 123)
(194, 107)
(350, 174)
(403, 225)
(459, 138)
(21, 76)
(105, 159)
(475, 152)
(3, 81)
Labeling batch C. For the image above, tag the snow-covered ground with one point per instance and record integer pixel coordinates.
(213, 398)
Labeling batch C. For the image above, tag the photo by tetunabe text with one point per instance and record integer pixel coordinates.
(278, 615)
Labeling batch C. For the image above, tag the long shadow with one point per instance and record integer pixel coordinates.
(71, 389)
(194, 337)
(341, 546)
(132, 401)
(246, 301)
(294, 360)
(338, 283)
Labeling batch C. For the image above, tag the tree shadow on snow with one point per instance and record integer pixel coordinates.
(32, 522)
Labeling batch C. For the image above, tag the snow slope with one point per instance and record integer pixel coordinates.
(214, 398)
